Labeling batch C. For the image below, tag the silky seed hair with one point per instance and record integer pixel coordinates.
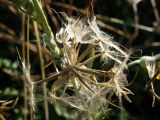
(88, 91)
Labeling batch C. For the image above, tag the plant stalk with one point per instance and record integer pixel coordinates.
(42, 70)
(49, 35)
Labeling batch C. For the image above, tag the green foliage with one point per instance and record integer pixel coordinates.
(25, 5)
(7, 63)
(1, 117)
(64, 112)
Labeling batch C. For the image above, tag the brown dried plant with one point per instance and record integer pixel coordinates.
(90, 89)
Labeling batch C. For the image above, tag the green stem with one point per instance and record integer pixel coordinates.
(49, 35)
(42, 70)
(142, 60)
(1, 117)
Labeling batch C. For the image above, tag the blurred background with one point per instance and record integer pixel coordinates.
(135, 24)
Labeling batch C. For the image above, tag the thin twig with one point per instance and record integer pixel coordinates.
(15, 40)
(52, 77)
(105, 18)
(122, 22)
(23, 37)
(91, 59)
(28, 52)
(154, 94)
(95, 72)
(70, 11)
(153, 78)
(7, 29)
(85, 53)
(54, 19)
(71, 7)
(28, 60)
(136, 22)
(42, 70)
(80, 78)
(106, 84)
(90, 9)
(153, 101)
(155, 10)
(111, 28)
(23, 59)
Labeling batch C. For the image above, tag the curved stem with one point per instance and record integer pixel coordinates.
(49, 35)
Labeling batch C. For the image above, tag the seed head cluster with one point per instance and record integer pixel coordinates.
(80, 84)
(88, 92)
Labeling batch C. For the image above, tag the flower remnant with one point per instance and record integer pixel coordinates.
(79, 85)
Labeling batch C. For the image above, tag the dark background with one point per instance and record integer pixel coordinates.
(145, 43)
